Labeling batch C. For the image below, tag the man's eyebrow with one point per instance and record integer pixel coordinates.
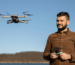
(59, 20)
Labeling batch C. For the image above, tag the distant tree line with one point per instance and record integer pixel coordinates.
(23, 57)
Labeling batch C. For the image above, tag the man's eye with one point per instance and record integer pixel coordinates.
(61, 20)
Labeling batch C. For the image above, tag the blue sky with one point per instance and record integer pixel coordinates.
(21, 37)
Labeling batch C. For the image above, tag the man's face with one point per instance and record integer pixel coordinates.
(61, 22)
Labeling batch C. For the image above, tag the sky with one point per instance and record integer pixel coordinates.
(22, 37)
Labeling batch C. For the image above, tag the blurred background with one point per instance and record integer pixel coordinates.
(23, 37)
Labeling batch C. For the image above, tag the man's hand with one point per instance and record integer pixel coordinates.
(53, 56)
(65, 56)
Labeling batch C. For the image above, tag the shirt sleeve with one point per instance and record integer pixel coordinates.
(46, 54)
(73, 55)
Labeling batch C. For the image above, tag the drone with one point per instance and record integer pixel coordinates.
(15, 18)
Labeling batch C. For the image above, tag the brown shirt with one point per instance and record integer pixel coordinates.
(66, 40)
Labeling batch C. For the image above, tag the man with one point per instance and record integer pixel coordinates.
(63, 38)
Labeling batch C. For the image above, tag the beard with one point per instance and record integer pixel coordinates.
(63, 27)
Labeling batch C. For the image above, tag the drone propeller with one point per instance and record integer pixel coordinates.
(1, 17)
(1, 14)
(7, 13)
(29, 14)
(26, 20)
(25, 12)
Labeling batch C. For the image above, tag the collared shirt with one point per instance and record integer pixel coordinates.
(65, 40)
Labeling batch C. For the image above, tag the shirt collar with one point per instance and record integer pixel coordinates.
(64, 31)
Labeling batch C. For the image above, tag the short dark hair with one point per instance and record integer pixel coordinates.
(63, 14)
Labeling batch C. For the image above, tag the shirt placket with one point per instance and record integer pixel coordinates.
(61, 39)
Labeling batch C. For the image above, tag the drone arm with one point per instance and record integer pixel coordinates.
(26, 17)
(1, 18)
(21, 16)
(5, 16)
(23, 22)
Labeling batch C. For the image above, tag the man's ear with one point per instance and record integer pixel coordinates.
(68, 21)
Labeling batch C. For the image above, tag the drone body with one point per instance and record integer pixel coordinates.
(15, 18)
